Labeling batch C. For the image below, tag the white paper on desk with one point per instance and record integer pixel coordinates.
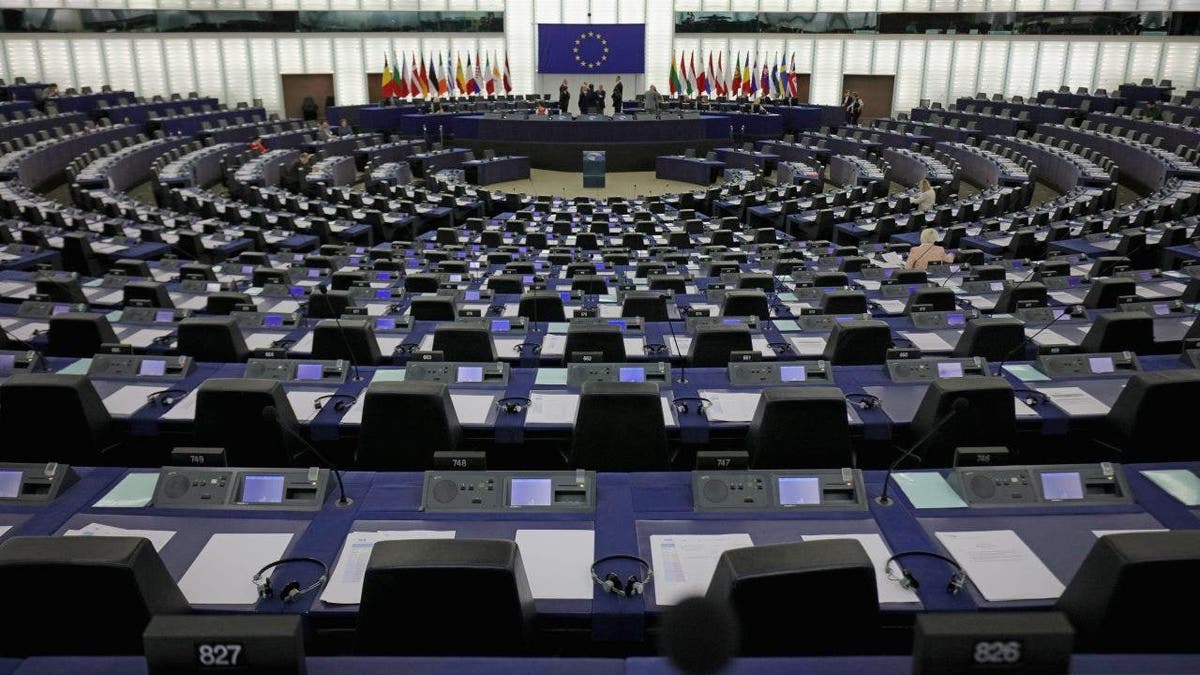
(634, 346)
(893, 258)
(980, 302)
(1022, 409)
(9, 288)
(868, 284)
(891, 306)
(889, 589)
(426, 343)
(610, 311)
(807, 346)
(1001, 566)
(1173, 286)
(554, 345)
(684, 563)
(471, 408)
(196, 302)
(730, 406)
(668, 411)
(1047, 337)
(4, 529)
(506, 347)
(303, 401)
(102, 296)
(128, 399)
(557, 562)
(1074, 401)
(262, 340)
(345, 584)
(220, 575)
(1065, 297)
(145, 337)
(927, 342)
(1105, 533)
(304, 345)
(1148, 293)
(552, 408)
(762, 346)
(678, 345)
(184, 409)
(285, 307)
(26, 331)
(158, 538)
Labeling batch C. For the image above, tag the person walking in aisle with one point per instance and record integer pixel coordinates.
(926, 197)
(618, 92)
(583, 98)
(651, 100)
(600, 100)
(564, 97)
(856, 108)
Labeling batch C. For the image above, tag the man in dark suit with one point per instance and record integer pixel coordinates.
(564, 97)
(618, 91)
(293, 177)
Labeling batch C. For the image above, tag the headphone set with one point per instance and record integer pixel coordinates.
(341, 402)
(164, 339)
(166, 397)
(611, 582)
(513, 405)
(1032, 397)
(909, 582)
(292, 590)
(863, 401)
(527, 348)
(702, 404)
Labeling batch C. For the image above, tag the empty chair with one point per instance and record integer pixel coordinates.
(444, 576)
(712, 345)
(512, 284)
(798, 428)
(79, 334)
(1127, 594)
(1104, 293)
(934, 299)
(252, 419)
(830, 279)
(1107, 265)
(542, 306)
(226, 302)
(1027, 294)
(464, 342)
(992, 338)
(352, 339)
(668, 282)
(1145, 417)
(648, 305)
(404, 423)
(433, 308)
(760, 581)
(212, 338)
(637, 443)
(762, 282)
(147, 293)
(860, 342)
(327, 304)
(591, 284)
(606, 341)
(79, 433)
(1120, 331)
(78, 256)
(746, 303)
(124, 576)
(986, 416)
(844, 302)
(422, 283)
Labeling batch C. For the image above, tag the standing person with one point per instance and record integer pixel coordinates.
(590, 97)
(600, 100)
(583, 98)
(856, 108)
(847, 104)
(652, 99)
(617, 93)
(564, 97)
(926, 197)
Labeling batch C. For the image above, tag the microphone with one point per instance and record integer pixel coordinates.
(959, 405)
(1028, 338)
(24, 343)
(699, 636)
(341, 331)
(682, 364)
(271, 414)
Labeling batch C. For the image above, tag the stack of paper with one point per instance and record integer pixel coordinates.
(158, 538)
(557, 408)
(1002, 566)
(557, 562)
(345, 584)
(730, 406)
(807, 346)
(684, 563)
(221, 574)
(1074, 401)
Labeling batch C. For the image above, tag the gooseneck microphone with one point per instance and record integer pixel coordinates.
(958, 406)
(1028, 338)
(271, 414)
(341, 331)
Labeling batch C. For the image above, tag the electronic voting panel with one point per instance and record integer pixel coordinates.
(34, 483)
(1044, 485)
(792, 373)
(240, 488)
(764, 490)
(1078, 365)
(141, 367)
(498, 491)
(931, 368)
(658, 372)
(457, 373)
(309, 371)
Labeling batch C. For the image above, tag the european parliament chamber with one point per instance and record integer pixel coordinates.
(848, 338)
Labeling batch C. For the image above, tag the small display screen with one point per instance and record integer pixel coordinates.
(314, 272)
(955, 319)
(1062, 485)
(565, 296)
(383, 294)
(731, 322)
(1161, 308)
(501, 325)
(213, 287)
(471, 295)
(272, 321)
(383, 276)
(530, 492)
(1100, 364)
(470, 374)
(152, 367)
(794, 491)
(951, 369)
(619, 323)
(308, 371)
(7, 363)
(632, 375)
(1074, 281)
(296, 291)
(164, 316)
(792, 373)
(59, 309)
(10, 484)
(262, 489)
(997, 285)
(455, 278)
(843, 319)
(385, 323)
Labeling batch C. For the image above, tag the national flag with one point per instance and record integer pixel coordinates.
(708, 81)
(746, 76)
(721, 89)
(443, 80)
(414, 79)
(673, 82)
(423, 78)
(398, 76)
(784, 80)
(775, 79)
(433, 79)
(491, 81)
(754, 78)
(507, 75)
(701, 77)
(764, 84)
(692, 74)
(387, 87)
(496, 74)
(460, 76)
(477, 82)
(683, 74)
(737, 76)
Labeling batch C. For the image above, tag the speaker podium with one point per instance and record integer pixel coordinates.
(593, 168)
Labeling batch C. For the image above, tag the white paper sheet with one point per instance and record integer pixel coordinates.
(762, 346)
(634, 346)
(1075, 401)
(552, 408)
(145, 337)
(891, 306)
(345, 584)
(471, 408)
(183, 410)
(684, 563)
(129, 399)
(158, 538)
(889, 589)
(678, 345)
(554, 345)
(304, 345)
(807, 346)
(1002, 566)
(1105, 533)
(196, 302)
(557, 562)
(1047, 337)
(302, 402)
(263, 340)
(26, 331)
(4, 529)
(927, 342)
(220, 575)
(730, 406)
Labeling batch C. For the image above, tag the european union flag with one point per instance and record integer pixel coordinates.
(591, 48)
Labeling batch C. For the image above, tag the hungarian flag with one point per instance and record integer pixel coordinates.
(387, 86)
(507, 75)
(673, 83)
(737, 76)
(491, 81)
(701, 78)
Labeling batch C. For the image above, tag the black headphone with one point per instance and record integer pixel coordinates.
(341, 402)
(513, 405)
(864, 401)
(528, 347)
(165, 339)
(1032, 397)
(909, 582)
(611, 582)
(166, 397)
(702, 404)
(292, 591)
